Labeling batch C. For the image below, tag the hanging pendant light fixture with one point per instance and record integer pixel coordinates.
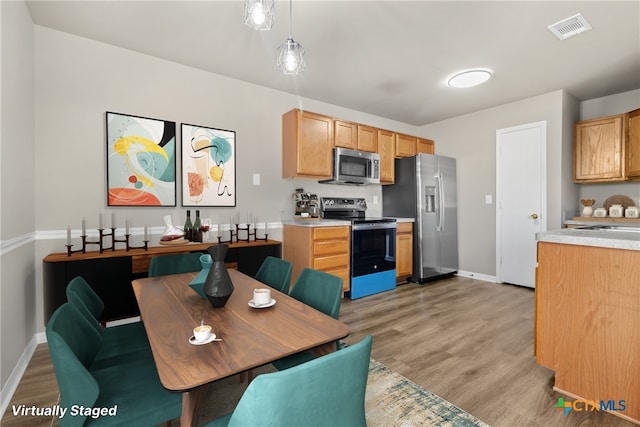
(258, 14)
(290, 54)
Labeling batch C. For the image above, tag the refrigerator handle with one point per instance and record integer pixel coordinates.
(439, 202)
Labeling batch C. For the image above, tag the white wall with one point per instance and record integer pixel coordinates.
(17, 274)
(471, 139)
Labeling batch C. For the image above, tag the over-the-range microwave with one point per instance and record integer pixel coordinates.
(354, 167)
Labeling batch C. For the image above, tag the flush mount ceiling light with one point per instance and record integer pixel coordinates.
(290, 54)
(469, 78)
(258, 14)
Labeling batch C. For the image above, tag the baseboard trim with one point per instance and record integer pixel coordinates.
(14, 379)
(478, 276)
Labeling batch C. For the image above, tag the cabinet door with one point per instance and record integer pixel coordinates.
(386, 149)
(405, 145)
(426, 146)
(345, 134)
(367, 139)
(307, 143)
(633, 145)
(404, 250)
(598, 150)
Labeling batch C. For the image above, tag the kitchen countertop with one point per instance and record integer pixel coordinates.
(320, 222)
(600, 238)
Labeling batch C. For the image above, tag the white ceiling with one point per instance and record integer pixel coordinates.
(387, 58)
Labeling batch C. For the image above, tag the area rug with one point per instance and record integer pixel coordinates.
(391, 401)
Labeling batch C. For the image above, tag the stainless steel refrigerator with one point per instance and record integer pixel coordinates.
(425, 189)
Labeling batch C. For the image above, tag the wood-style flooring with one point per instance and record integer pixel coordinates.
(470, 342)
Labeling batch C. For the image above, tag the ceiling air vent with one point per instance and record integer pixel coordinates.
(570, 27)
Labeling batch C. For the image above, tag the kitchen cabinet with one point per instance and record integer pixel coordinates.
(587, 317)
(404, 251)
(345, 134)
(406, 145)
(367, 138)
(598, 154)
(386, 149)
(633, 145)
(307, 142)
(110, 273)
(321, 248)
(426, 146)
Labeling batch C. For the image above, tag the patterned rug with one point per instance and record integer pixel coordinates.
(391, 401)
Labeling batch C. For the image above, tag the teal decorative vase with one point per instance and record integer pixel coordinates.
(218, 286)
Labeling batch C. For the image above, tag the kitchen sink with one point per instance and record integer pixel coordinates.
(622, 228)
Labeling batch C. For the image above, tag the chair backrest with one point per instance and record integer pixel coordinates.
(83, 297)
(275, 272)
(320, 290)
(326, 391)
(174, 264)
(73, 344)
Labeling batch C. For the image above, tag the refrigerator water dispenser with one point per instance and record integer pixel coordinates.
(430, 198)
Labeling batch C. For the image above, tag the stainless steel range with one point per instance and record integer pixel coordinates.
(373, 245)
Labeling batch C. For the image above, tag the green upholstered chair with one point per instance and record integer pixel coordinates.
(275, 272)
(327, 391)
(130, 383)
(164, 265)
(320, 290)
(127, 339)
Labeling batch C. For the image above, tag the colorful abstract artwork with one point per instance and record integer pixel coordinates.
(141, 161)
(208, 166)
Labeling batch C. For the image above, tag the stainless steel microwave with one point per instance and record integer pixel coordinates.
(354, 167)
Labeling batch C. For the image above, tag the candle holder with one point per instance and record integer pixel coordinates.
(243, 229)
(231, 234)
(102, 246)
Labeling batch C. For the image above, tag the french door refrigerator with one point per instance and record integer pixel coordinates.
(425, 189)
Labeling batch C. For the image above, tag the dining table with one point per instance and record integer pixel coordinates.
(246, 337)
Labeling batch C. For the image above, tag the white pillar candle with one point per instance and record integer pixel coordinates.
(266, 228)
(84, 227)
(126, 226)
(100, 221)
(219, 230)
(146, 233)
(113, 220)
(68, 235)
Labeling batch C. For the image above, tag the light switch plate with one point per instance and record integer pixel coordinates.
(488, 199)
(256, 179)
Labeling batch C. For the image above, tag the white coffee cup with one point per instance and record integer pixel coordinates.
(202, 332)
(261, 296)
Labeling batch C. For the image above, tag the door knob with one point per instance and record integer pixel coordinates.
(533, 216)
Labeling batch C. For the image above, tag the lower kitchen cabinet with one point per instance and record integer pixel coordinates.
(110, 273)
(404, 251)
(321, 248)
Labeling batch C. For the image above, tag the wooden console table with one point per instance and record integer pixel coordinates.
(110, 273)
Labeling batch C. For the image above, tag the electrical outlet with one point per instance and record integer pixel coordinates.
(488, 199)
(256, 179)
(375, 200)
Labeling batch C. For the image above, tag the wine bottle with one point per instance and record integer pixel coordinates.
(188, 227)
(197, 228)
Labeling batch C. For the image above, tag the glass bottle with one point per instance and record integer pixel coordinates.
(197, 228)
(188, 227)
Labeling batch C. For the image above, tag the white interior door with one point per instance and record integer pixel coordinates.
(521, 200)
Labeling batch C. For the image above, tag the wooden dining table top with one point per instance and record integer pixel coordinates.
(251, 337)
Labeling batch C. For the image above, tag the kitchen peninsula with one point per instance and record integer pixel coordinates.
(588, 315)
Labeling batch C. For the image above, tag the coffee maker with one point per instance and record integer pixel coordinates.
(306, 204)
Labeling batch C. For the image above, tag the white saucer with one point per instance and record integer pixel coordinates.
(269, 304)
(192, 340)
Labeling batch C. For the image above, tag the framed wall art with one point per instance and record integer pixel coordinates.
(141, 161)
(208, 166)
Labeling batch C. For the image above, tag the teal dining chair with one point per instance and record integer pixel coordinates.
(129, 388)
(164, 265)
(320, 290)
(127, 339)
(328, 391)
(275, 272)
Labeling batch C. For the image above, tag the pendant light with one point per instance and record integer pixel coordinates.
(258, 14)
(290, 54)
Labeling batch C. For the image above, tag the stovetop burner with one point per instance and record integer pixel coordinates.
(349, 209)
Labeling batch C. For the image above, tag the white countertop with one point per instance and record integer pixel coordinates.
(599, 238)
(319, 222)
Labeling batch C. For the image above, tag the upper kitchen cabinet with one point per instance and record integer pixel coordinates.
(633, 145)
(307, 141)
(386, 149)
(405, 145)
(599, 150)
(426, 146)
(354, 136)
(367, 138)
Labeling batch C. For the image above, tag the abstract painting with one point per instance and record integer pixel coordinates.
(141, 161)
(208, 166)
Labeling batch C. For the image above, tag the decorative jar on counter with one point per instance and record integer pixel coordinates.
(615, 211)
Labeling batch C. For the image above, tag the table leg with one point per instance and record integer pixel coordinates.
(191, 401)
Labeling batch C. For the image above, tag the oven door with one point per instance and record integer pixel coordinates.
(373, 248)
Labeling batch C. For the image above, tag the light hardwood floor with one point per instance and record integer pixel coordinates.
(470, 342)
